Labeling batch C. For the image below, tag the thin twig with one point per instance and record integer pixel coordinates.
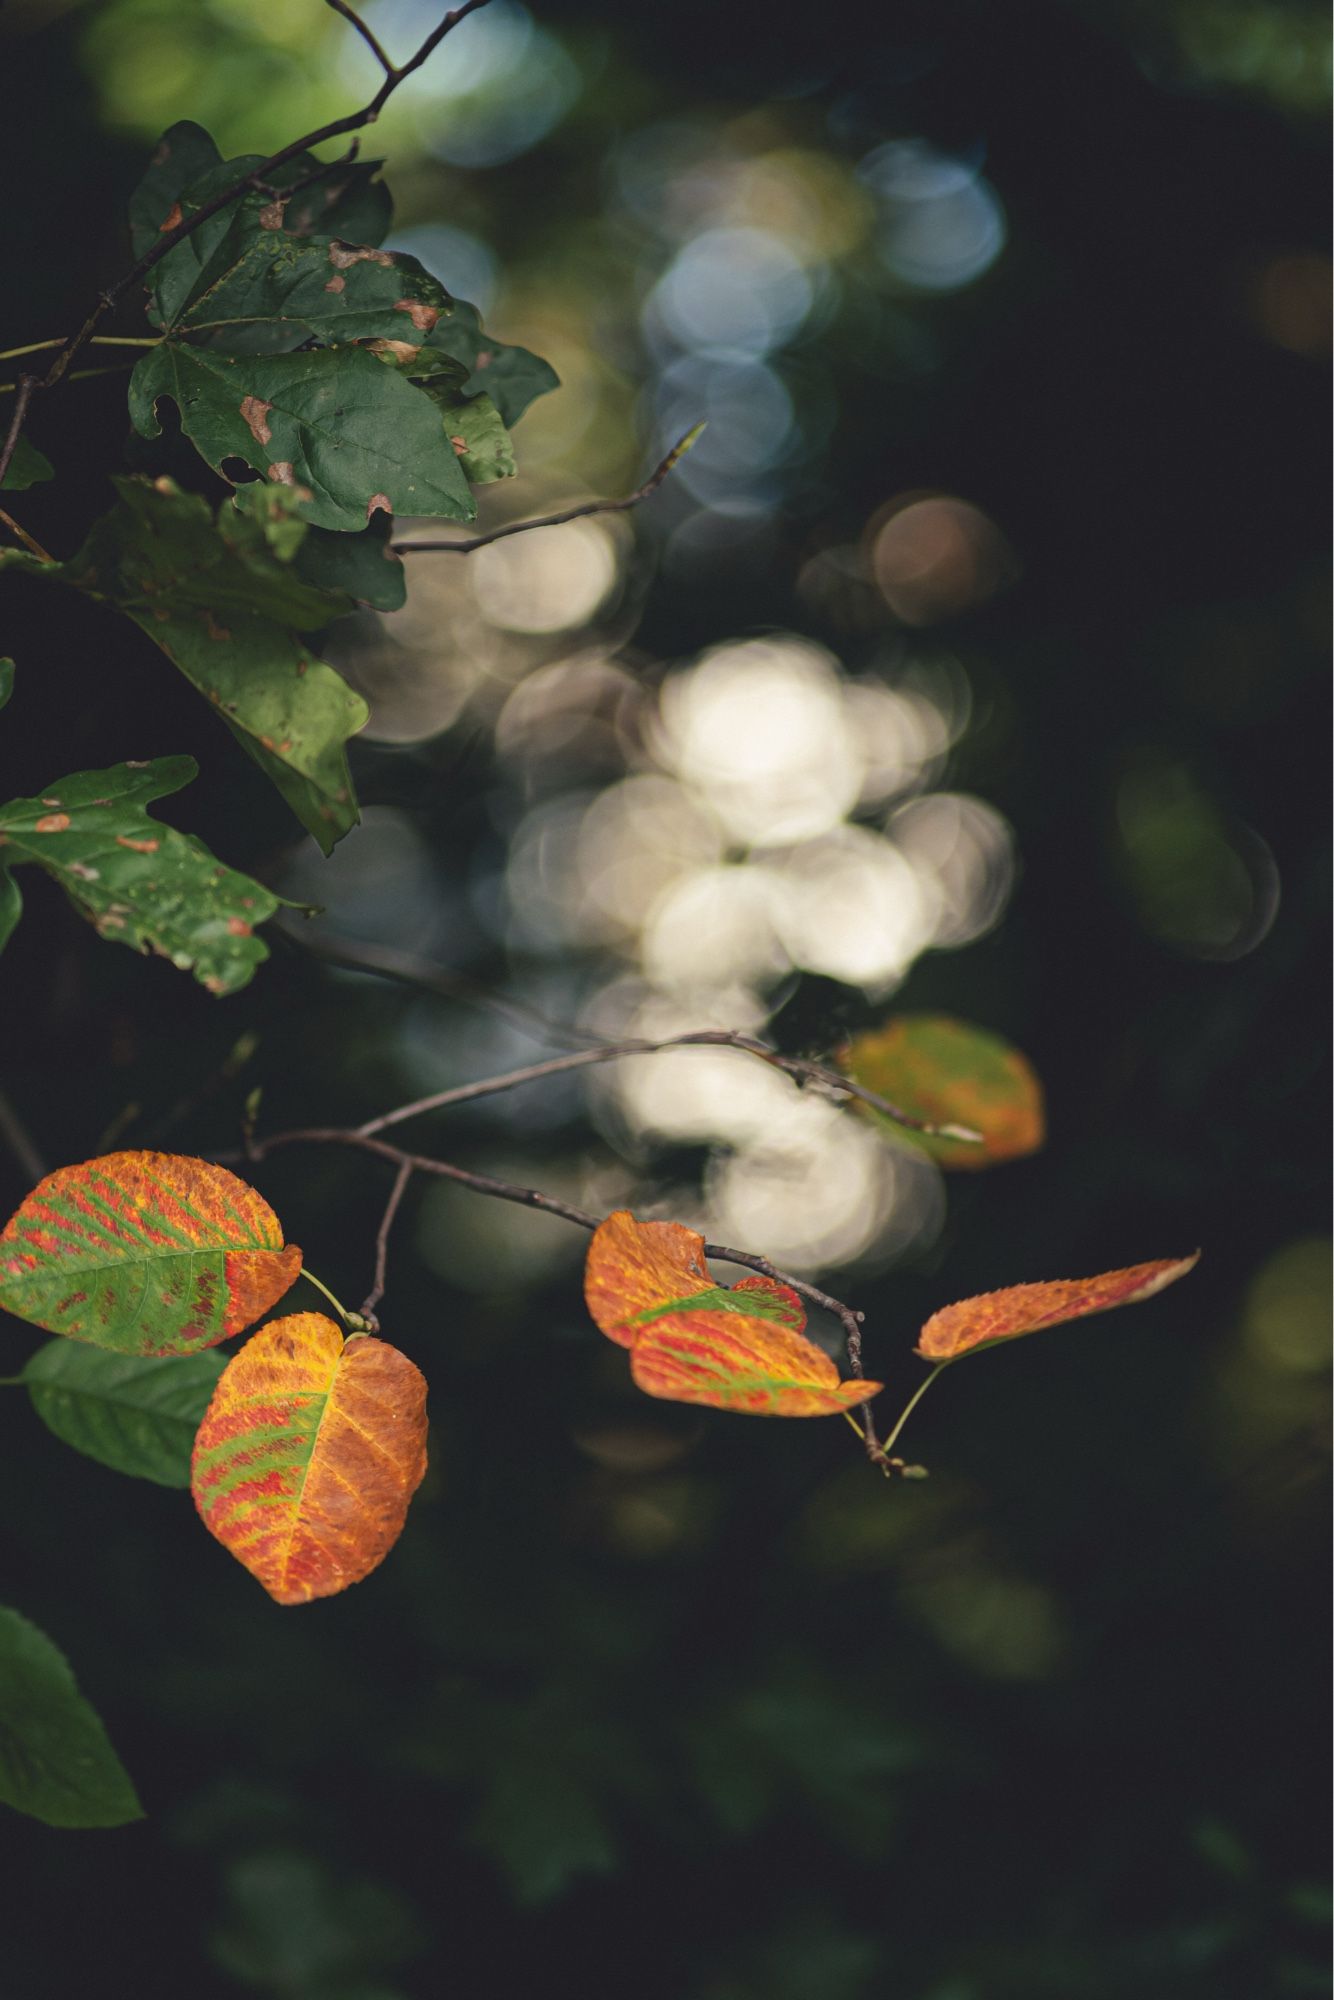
(387, 963)
(797, 1067)
(29, 542)
(527, 1197)
(341, 7)
(651, 485)
(19, 1141)
(376, 1292)
(167, 241)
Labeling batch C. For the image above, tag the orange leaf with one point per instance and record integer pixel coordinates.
(948, 1072)
(309, 1454)
(995, 1316)
(144, 1253)
(693, 1340)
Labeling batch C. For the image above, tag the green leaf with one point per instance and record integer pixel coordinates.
(56, 1762)
(11, 906)
(221, 598)
(138, 881)
(350, 437)
(511, 376)
(136, 1414)
(6, 680)
(347, 202)
(346, 569)
(187, 168)
(473, 427)
(263, 291)
(183, 155)
(28, 467)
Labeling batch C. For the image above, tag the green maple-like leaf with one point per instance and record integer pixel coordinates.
(226, 599)
(350, 437)
(512, 377)
(187, 170)
(138, 881)
(265, 291)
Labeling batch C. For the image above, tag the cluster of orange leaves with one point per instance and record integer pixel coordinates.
(313, 1444)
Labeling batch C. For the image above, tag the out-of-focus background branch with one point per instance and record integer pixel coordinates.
(971, 661)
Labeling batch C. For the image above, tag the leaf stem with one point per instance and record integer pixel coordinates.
(337, 1304)
(12, 1381)
(912, 1403)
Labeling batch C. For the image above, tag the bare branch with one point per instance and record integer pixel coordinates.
(376, 1293)
(342, 7)
(387, 963)
(651, 485)
(74, 343)
(797, 1067)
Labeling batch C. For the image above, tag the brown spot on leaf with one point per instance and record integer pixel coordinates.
(215, 631)
(238, 927)
(343, 255)
(460, 445)
(379, 503)
(401, 351)
(271, 215)
(50, 802)
(81, 869)
(139, 846)
(171, 220)
(52, 823)
(107, 922)
(423, 317)
(281, 472)
(335, 284)
(254, 411)
(485, 358)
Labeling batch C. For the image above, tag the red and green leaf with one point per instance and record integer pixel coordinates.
(144, 1253)
(693, 1340)
(309, 1455)
(948, 1072)
(995, 1316)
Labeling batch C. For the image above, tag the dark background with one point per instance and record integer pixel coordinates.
(653, 1703)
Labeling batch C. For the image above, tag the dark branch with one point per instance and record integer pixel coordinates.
(342, 7)
(376, 1293)
(387, 963)
(651, 485)
(797, 1067)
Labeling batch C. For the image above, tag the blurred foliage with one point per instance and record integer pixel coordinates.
(989, 613)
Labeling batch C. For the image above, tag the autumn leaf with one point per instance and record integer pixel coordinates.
(995, 1316)
(693, 1340)
(309, 1454)
(144, 1253)
(948, 1072)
